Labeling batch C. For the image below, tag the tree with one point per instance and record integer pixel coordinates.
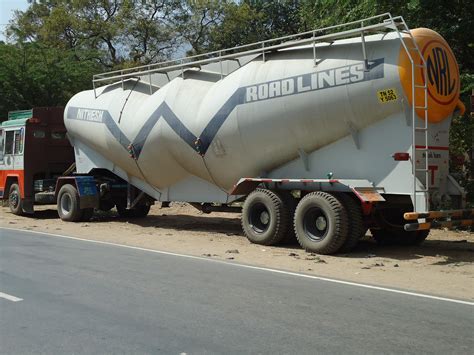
(113, 32)
(33, 75)
(452, 19)
(196, 20)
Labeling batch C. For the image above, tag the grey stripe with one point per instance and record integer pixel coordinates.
(173, 121)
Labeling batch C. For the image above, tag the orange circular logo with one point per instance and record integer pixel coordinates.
(442, 74)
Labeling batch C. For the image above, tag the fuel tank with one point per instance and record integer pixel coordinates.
(259, 116)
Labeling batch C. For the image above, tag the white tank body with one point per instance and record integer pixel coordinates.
(247, 124)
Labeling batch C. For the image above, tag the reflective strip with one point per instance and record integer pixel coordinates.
(411, 227)
(440, 214)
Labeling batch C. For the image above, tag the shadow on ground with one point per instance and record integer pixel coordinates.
(453, 251)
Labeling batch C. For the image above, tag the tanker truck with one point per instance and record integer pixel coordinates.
(320, 135)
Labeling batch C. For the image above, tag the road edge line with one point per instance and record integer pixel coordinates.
(10, 297)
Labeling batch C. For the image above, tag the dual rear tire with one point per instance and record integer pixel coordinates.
(320, 221)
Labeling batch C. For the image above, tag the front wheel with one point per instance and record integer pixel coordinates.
(321, 223)
(14, 200)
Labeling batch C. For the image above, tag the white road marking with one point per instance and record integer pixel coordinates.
(10, 297)
(276, 271)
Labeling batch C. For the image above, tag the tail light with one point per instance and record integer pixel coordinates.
(402, 156)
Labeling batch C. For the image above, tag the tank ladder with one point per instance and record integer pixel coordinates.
(419, 141)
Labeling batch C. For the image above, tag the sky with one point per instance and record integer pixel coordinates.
(6, 12)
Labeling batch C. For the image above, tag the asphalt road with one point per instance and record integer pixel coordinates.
(81, 297)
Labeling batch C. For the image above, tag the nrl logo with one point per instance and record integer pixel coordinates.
(439, 72)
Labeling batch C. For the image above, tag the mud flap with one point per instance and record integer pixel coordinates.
(88, 194)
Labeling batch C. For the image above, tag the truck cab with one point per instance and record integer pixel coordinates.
(34, 151)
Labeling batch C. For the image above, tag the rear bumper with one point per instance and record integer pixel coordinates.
(439, 219)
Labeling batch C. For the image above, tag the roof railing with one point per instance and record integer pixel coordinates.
(321, 35)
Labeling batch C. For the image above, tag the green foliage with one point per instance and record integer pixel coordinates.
(214, 25)
(452, 19)
(116, 32)
(462, 140)
(33, 75)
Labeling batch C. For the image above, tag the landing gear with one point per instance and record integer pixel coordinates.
(136, 212)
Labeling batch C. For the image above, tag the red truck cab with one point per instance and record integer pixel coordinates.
(34, 151)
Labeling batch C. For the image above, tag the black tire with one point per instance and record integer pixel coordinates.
(136, 212)
(357, 228)
(106, 205)
(321, 223)
(290, 206)
(14, 200)
(68, 204)
(399, 237)
(87, 214)
(265, 217)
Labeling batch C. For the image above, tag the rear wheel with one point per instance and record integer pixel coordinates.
(399, 237)
(14, 200)
(68, 204)
(136, 212)
(357, 227)
(290, 206)
(265, 217)
(106, 205)
(87, 214)
(321, 223)
(391, 230)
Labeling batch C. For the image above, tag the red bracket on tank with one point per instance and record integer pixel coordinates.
(401, 156)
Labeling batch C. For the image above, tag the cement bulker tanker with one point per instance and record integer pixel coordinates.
(317, 134)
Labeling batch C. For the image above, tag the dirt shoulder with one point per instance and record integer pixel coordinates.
(443, 265)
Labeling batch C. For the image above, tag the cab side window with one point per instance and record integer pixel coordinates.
(2, 145)
(9, 142)
(14, 141)
(18, 141)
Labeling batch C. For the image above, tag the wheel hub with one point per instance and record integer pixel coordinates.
(315, 224)
(14, 199)
(321, 223)
(264, 217)
(259, 218)
(66, 204)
